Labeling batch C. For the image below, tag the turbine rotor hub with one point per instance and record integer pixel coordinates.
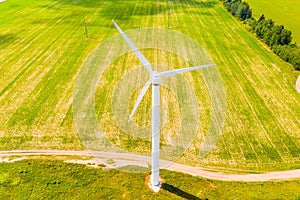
(155, 78)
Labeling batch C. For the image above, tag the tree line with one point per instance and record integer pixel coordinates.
(238, 8)
(276, 37)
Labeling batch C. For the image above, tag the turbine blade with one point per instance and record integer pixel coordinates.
(141, 57)
(139, 99)
(179, 71)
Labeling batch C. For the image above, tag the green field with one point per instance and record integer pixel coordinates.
(283, 12)
(43, 44)
(40, 179)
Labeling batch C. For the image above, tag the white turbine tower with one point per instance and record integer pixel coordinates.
(155, 80)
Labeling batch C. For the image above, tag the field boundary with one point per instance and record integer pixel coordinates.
(173, 166)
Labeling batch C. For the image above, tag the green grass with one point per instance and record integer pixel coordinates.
(283, 12)
(44, 179)
(43, 44)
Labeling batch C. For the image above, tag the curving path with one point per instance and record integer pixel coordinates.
(123, 159)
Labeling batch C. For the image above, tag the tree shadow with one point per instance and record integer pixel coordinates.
(178, 192)
(125, 9)
(93, 4)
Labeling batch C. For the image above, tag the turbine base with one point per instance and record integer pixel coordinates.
(153, 188)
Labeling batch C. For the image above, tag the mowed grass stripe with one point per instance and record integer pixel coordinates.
(68, 119)
(250, 93)
(53, 81)
(48, 52)
(30, 111)
(238, 155)
(271, 108)
(45, 132)
(35, 61)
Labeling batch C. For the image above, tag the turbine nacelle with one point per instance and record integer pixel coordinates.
(155, 78)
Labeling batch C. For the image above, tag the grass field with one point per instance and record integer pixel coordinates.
(39, 179)
(43, 44)
(283, 12)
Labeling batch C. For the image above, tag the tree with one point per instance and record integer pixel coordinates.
(252, 23)
(285, 37)
(248, 13)
(296, 59)
(242, 11)
(276, 35)
(288, 53)
(258, 30)
(261, 18)
(234, 6)
(266, 30)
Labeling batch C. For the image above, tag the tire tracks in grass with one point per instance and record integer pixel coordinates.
(48, 100)
(272, 118)
(5, 19)
(212, 48)
(280, 100)
(241, 89)
(239, 129)
(45, 50)
(256, 117)
(277, 118)
(190, 76)
(272, 112)
(249, 104)
(269, 73)
(188, 31)
(61, 15)
(207, 42)
(68, 117)
(48, 89)
(22, 74)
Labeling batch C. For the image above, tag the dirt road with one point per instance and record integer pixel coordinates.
(123, 159)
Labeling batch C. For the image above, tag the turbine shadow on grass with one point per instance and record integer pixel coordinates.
(178, 192)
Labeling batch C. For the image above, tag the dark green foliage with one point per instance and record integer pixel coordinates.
(276, 35)
(288, 53)
(285, 37)
(243, 11)
(261, 18)
(233, 6)
(270, 33)
(278, 38)
(238, 8)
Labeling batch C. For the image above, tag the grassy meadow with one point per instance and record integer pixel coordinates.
(43, 44)
(283, 12)
(40, 179)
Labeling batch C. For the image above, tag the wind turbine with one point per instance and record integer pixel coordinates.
(155, 80)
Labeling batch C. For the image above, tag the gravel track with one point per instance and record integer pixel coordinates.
(126, 158)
